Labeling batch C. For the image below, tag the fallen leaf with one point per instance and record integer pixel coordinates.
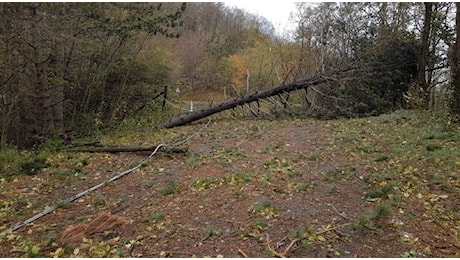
(321, 238)
(58, 252)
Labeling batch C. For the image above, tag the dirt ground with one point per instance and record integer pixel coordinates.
(244, 189)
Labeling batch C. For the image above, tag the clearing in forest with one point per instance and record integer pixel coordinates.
(386, 186)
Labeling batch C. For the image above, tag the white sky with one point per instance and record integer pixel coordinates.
(277, 12)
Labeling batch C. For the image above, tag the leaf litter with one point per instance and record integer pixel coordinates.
(304, 181)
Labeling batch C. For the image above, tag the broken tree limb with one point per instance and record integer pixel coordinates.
(124, 149)
(232, 103)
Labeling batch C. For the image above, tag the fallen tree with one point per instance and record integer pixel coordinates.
(232, 103)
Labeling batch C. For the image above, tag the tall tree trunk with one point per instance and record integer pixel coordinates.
(58, 91)
(42, 89)
(421, 77)
(455, 64)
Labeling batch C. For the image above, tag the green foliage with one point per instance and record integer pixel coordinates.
(194, 160)
(33, 165)
(386, 55)
(278, 165)
(381, 192)
(379, 212)
(302, 186)
(30, 249)
(210, 231)
(340, 174)
(264, 207)
(156, 217)
(170, 188)
(433, 147)
(150, 183)
(261, 205)
(259, 225)
(226, 156)
(207, 183)
(9, 159)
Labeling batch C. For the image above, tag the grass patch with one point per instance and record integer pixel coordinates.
(382, 158)
(210, 231)
(378, 213)
(259, 224)
(33, 165)
(226, 156)
(275, 147)
(433, 147)
(155, 217)
(213, 182)
(264, 207)
(381, 192)
(149, 183)
(194, 160)
(302, 186)
(64, 174)
(9, 159)
(278, 165)
(170, 188)
(340, 175)
(207, 183)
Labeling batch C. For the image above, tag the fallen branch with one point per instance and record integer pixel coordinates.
(125, 149)
(339, 213)
(333, 228)
(290, 245)
(242, 253)
(285, 252)
(270, 249)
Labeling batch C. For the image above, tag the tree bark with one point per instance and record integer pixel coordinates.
(421, 77)
(455, 64)
(58, 88)
(42, 89)
(232, 103)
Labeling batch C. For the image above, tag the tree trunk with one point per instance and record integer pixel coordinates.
(455, 64)
(232, 103)
(42, 90)
(44, 100)
(58, 90)
(421, 77)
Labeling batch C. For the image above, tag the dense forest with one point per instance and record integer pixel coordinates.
(70, 69)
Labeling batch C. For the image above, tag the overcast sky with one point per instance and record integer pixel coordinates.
(277, 12)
